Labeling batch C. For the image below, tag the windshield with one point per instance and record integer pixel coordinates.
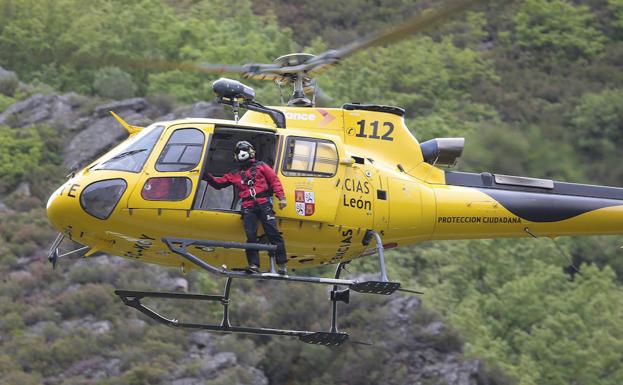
(132, 154)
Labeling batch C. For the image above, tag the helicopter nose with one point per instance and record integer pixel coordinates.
(54, 208)
(74, 202)
(60, 205)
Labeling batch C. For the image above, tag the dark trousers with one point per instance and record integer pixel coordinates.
(265, 214)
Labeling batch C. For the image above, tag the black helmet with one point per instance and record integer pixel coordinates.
(243, 151)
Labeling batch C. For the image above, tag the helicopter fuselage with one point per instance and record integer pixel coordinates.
(344, 171)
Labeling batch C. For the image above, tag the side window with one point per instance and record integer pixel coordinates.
(182, 152)
(166, 189)
(131, 155)
(307, 156)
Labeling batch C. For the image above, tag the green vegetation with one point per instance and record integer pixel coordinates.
(113, 83)
(64, 43)
(20, 153)
(514, 300)
(558, 28)
(31, 155)
(535, 86)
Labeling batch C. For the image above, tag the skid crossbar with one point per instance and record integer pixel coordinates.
(180, 246)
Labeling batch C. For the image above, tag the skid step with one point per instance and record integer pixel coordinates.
(325, 338)
(376, 287)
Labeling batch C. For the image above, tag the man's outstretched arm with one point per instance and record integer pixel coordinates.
(218, 183)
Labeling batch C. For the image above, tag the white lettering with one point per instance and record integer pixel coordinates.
(300, 116)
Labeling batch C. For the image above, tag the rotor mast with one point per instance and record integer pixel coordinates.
(298, 98)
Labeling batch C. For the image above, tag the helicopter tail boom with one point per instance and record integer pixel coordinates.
(490, 206)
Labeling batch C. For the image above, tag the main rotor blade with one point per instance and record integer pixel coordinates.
(251, 70)
(415, 24)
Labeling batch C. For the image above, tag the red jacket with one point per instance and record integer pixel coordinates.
(265, 181)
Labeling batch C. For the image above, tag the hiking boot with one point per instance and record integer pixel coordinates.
(252, 269)
(282, 270)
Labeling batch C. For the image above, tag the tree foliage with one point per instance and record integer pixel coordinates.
(20, 151)
(65, 42)
(558, 27)
(113, 83)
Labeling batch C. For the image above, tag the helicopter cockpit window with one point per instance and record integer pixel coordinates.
(305, 156)
(182, 152)
(131, 155)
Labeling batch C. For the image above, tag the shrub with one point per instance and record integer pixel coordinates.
(88, 299)
(447, 341)
(8, 83)
(5, 102)
(20, 152)
(26, 203)
(10, 322)
(91, 273)
(36, 314)
(17, 377)
(113, 83)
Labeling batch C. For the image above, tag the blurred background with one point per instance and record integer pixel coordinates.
(535, 87)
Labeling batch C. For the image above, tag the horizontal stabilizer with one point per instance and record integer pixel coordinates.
(133, 130)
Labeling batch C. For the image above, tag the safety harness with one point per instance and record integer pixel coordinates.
(251, 183)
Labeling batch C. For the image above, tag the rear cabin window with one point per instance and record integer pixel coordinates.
(131, 155)
(310, 157)
(182, 152)
(166, 189)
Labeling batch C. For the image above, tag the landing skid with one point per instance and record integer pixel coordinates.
(133, 299)
(331, 338)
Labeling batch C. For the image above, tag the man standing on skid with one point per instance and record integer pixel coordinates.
(256, 182)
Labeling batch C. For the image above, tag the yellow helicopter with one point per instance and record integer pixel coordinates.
(356, 179)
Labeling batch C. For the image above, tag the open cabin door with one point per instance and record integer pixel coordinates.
(220, 160)
(215, 213)
(311, 175)
(170, 179)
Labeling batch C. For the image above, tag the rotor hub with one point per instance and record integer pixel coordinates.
(293, 59)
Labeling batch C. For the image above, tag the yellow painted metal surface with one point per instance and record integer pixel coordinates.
(381, 183)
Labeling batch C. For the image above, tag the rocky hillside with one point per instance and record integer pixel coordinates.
(535, 87)
(66, 326)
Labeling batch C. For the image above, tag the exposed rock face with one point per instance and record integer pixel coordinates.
(433, 353)
(101, 131)
(57, 110)
(98, 130)
(94, 368)
(88, 323)
(223, 367)
(23, 189)
(197, 110)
